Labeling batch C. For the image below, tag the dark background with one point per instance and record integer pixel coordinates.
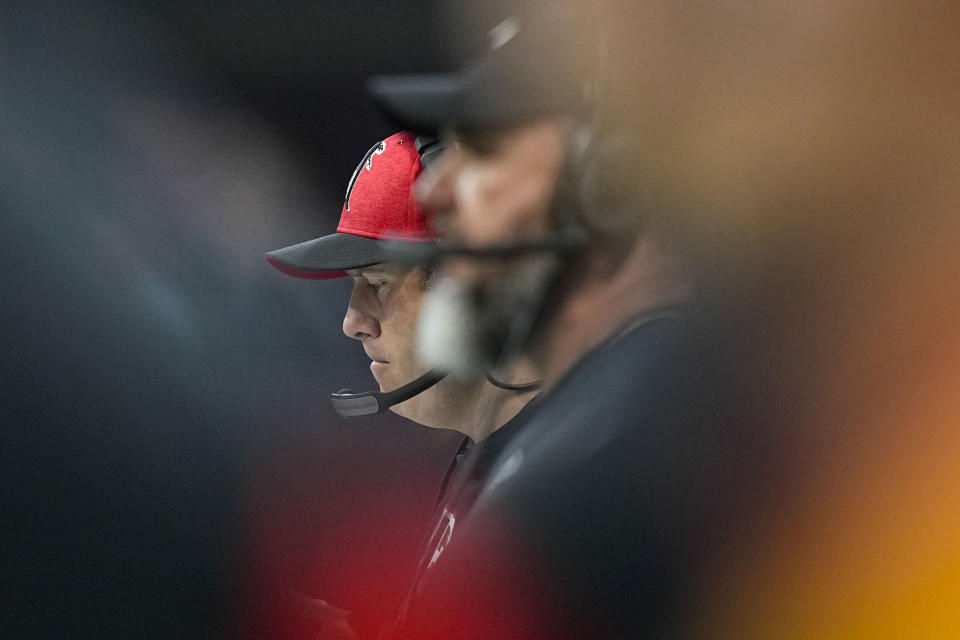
(171, 463)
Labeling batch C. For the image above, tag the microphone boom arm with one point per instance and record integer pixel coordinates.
(348, 404)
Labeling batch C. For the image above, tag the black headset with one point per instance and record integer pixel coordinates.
(598, 187)
(597, 198)
(429, 148)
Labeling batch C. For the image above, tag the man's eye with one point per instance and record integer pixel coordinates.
(378, 285)
(479, 146)
(483, 149)
(482, 145)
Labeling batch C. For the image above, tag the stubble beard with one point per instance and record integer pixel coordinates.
(468, 329)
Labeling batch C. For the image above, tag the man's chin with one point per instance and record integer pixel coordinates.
(392, 380)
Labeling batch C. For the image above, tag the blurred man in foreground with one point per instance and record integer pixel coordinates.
(383, 310)
(583, 520)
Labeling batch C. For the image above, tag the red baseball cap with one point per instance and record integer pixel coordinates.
(378, 206)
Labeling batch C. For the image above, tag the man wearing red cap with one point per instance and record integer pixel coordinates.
(385, 304)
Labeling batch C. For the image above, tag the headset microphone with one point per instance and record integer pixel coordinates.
(348, 404)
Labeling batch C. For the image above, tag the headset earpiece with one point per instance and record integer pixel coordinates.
(603, 167)
(429, 148)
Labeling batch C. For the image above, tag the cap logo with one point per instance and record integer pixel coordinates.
(504, 33)
(366, 163)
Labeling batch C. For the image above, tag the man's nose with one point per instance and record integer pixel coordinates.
(359, 322)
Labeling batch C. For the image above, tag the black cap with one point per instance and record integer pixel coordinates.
(534, 67)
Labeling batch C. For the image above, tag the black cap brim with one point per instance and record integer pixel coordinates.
(417, 102)
(539, 69)
(469, 101)
(329, 257)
